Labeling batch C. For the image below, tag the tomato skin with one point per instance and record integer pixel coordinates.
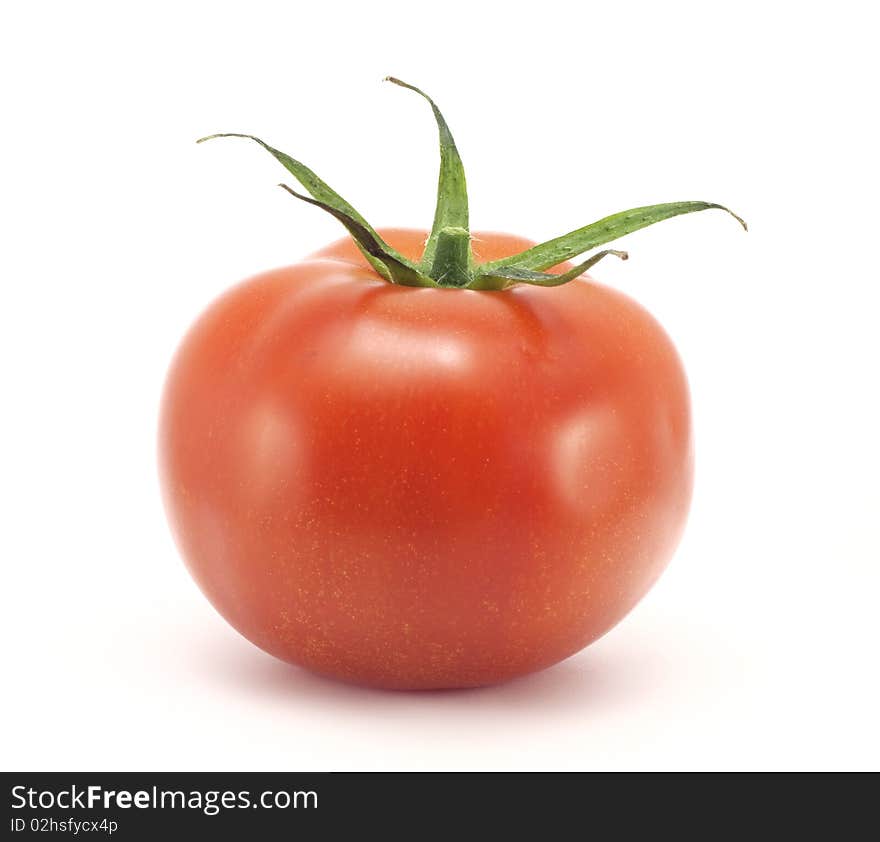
(424, 488)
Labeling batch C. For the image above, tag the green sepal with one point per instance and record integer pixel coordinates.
(506, 277)
(392, 269)
(452, 200)
(322, 192)
(570, 245)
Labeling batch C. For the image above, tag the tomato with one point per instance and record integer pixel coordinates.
(418, 459)
(412, 487)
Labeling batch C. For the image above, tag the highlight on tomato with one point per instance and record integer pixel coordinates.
(428, 459)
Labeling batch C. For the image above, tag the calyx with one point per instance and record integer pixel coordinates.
(448, 260)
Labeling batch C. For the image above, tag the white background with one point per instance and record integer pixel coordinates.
(758, 648)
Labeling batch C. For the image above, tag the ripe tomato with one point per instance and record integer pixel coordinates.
(424, 487)
(419, 460)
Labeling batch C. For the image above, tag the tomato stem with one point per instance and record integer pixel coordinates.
(450, 265)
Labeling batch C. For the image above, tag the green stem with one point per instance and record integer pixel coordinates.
(451, 258)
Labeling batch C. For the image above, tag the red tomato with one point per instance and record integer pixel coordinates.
(424, 488)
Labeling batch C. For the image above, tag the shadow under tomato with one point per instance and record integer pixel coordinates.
(601, 678)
